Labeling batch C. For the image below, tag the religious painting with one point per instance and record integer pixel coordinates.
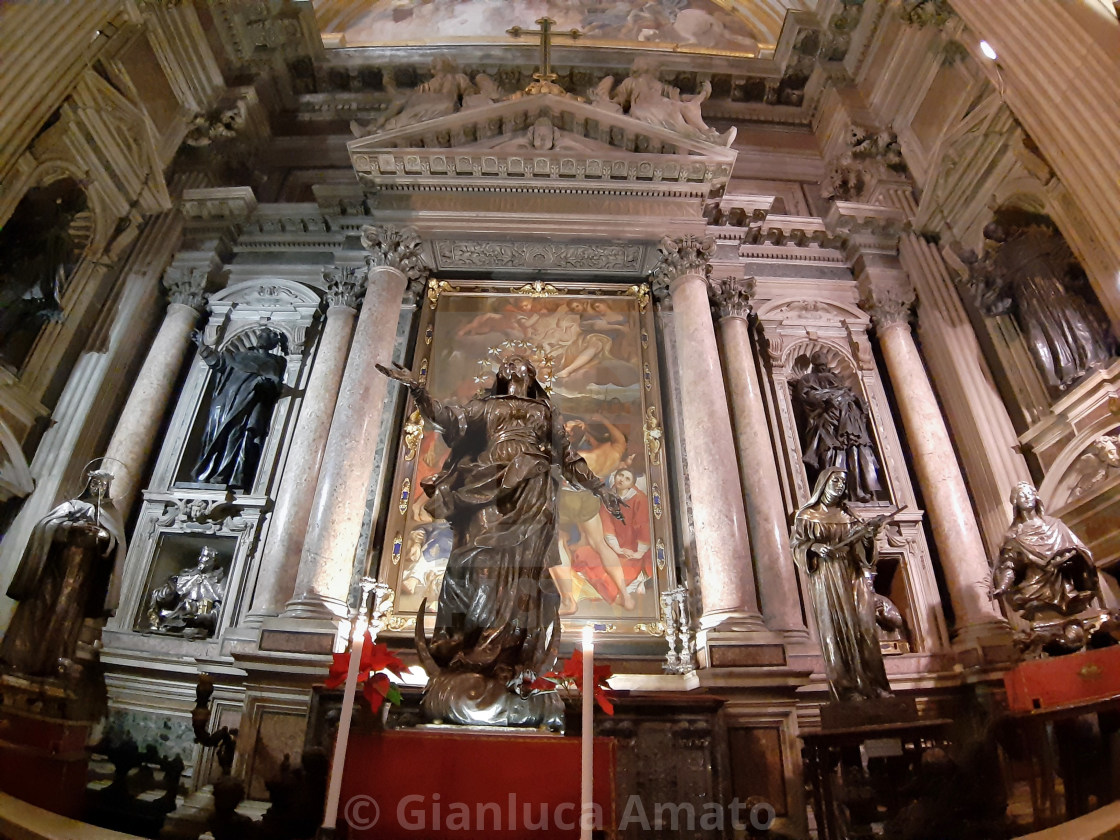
(592, 349)
(679, 25)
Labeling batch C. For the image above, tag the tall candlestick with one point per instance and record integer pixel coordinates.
(587, 809)
(334, 792)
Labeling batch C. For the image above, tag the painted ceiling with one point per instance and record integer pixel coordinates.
(739, 27)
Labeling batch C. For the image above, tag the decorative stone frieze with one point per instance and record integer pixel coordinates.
(539, 255)
(731, 296)
(345, 285)
(186, 286)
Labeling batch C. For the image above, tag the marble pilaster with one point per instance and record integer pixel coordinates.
(887, 295)
(766, 516)
(135, 434)
(280, 557)
(728, 594)
(327, 559)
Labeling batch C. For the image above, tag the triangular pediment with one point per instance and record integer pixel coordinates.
(535, 137)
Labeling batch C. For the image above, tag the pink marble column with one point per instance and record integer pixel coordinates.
(280, 558)
(766, 516)
(327, 559)
(888, 296)
(723, 552)
(134, 437)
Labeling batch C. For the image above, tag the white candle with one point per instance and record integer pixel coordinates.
(587, 810)
(334, 792)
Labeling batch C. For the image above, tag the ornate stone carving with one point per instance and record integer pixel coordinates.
(888, 302)
(398, 248)
(539, 255)
(345, 284)
(926, 12)
(731, 296)
(868, 156)
(687, 255)
(1100, 462)
(186, 285)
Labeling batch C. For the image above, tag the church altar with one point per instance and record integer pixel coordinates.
(507, 784)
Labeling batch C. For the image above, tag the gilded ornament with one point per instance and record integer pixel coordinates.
(413, 434)
(655, 496)
(653, 437)
(538, 289)
(398, 543)
(406, 492)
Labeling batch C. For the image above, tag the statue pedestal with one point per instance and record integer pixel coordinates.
(443, 780)
(43, 757)
(1062, 680)
(857, 713)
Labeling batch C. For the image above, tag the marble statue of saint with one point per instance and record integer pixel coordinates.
(1027, 272)
(440, 96)
(645, 97)
(837, 429)
(497, 625)
(68, 574)
(190, 602)
(1099, 463)
(1044, 570)
(247, 384)
(837, 551)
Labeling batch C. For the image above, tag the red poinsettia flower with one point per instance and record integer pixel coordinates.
(375, 658)
(572, 674)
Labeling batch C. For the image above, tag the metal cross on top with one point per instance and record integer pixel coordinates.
(544, 74)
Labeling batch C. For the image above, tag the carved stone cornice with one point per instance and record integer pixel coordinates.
(539, 256)
(186, 286)
(394, 247)
(887, 298)
(679, 257)
(345, 285)
(731, 296)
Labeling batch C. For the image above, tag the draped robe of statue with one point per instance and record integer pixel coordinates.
(66, 576)
(1044, 569)
(247, 384)
(840, 589)
(497, 624)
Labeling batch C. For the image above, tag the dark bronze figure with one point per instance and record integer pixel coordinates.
(1029, 272)
(67, 575)
(190, 602)
(837, 551)
(1044, 570)
(247, 384)
(498, 627)
(223, 739)
(837, 429)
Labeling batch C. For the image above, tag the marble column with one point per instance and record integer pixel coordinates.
(327, 560)
(766, 516)
(723, 553)
(135, 434)
(887, 295)
(280, 558)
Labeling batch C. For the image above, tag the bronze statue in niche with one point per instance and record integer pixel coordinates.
(189, 602)
(836, 428)
(1029, 273)
(498, 625)
(68, 574)
(246, 385)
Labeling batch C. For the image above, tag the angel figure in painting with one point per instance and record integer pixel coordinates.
(836, 550)
(497, 625)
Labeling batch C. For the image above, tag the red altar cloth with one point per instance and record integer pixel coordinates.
(422, 784)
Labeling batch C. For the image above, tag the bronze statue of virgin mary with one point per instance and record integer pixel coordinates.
(497, 625)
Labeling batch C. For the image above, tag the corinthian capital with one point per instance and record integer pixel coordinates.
(679, 257)
(186, 286)
(398, 248)
(731, 296)
(889, 300)
(345, 284)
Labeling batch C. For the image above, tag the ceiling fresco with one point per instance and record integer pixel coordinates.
(706, 26)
